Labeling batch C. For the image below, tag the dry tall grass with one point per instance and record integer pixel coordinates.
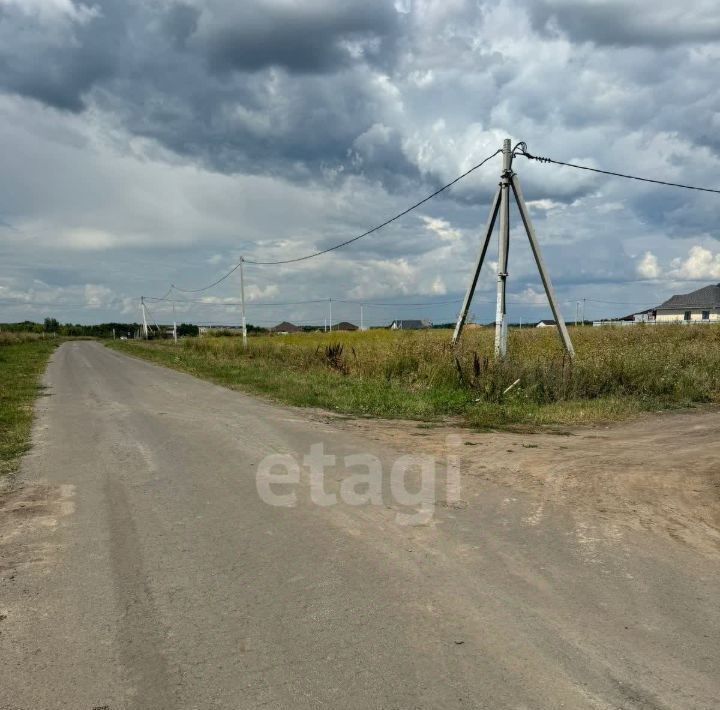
(675, 362)
(9, 338)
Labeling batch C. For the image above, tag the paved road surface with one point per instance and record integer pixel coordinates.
(140, 569)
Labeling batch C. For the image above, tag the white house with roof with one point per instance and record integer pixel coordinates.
(698, 306)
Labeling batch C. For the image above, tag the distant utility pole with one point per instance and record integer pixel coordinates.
(174, 325)
(361, 317)
(577, 313)
(501, 203)
(242, 302)
(144, 317)
(330, 305)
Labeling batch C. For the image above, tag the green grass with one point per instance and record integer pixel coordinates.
(22, 360)
(618, 372)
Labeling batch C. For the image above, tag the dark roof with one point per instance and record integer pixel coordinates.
(286, 327)
(546, 322)
(344, 325)
(706, 297)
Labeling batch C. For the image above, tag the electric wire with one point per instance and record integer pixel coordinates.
(521, 149)
(377, 228)
(299, 303)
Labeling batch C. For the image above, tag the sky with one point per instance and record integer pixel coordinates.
(146, 143)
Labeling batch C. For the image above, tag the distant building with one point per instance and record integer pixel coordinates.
(284, 328)
(546, 324)
(702, 305)
(410, 324)
(344, 325)
(646, 316)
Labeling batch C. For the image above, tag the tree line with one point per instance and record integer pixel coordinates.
(99, 330)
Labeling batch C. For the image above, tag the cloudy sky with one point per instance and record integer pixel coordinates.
(150, 142)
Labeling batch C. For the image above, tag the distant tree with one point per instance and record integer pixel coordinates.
(186, 329)
(51, 325)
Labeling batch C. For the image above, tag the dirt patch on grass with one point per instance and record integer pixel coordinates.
(659, 473)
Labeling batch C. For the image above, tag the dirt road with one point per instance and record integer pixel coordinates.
(144, 566)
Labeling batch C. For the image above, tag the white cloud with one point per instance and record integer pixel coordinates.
(648, 267)
(97, 296)
(49, 10)
(438, 286)
(701, 263)
(441, 227)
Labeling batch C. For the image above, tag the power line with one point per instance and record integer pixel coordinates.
(301, 303)
(347, 241)
(233, 303)
(523, 151)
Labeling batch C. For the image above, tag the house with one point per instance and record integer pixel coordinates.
(546, 324)
(698, 306)
(344, 325)
(410, 324)
(646, 316)
(284, 328)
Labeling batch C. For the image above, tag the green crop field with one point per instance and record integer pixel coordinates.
(618, 372)
(23, 357)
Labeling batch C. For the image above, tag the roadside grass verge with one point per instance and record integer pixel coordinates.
(619, 372)
(23, 357)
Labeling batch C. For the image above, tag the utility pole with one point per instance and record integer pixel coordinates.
(144, 317)
(174, 325)
(330, 305)
(577, 313)
(583, 311)
(242, 302)
(503, 249)
(361, 317)
(501, 203)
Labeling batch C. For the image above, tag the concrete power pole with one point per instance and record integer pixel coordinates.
(501, 204)
(144, 317)
(174, 325)
(330, 314)
(242, 302)
(503, 249)
(361, 318)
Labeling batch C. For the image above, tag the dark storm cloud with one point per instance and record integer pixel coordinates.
(314, 37)
(261, 87)
(56, 57)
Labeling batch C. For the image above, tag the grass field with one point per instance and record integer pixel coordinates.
(618, 372)
(22, 360)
